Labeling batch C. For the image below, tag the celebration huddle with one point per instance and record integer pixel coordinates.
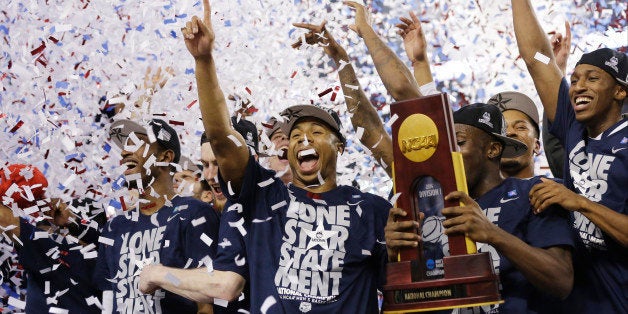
(314, 157)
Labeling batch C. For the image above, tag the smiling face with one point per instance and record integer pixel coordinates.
(279, 163)
(596, 98)
(136, 153)
(520, 127)
(312, 155)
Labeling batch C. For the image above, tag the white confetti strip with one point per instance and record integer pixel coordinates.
(198, 221)
(105, 240)
(541, 58)
(206, 239)
(394, 198)
(235, 140)
(17, 303)
(266, 183)
(221, 302)
(278, 205)
(239, 225)
(268, 302)
(172, 279)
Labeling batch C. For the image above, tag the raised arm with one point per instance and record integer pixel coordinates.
(228, 145)
(561, 46)
(535, 49)
(395, 75)
(416, 48)
(363, 114)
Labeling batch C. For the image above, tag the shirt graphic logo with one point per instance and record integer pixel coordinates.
(503, 200)
(313, 253)
(615, 150)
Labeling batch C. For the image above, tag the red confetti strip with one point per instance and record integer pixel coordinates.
(325, 92)
(192, 104)
(122, 203)
(42, 60)
(46, 154)
(247, 90)
(38, 49)
(87, 73)
(174, 122)
(293, 74)
(17, 126)
(54, 40)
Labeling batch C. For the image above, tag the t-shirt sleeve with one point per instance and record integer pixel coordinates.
(564, 113)
(231, 248)
(550, 228)
(201, 233)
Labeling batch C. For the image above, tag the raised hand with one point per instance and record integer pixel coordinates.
(469, 219)
(413, 38)
(562, 47)
(199, 35)
(363, 17)
(318, 34)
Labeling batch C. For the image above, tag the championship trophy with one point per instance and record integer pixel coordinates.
(443, 272)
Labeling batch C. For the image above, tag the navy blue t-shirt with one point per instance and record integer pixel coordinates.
(180, 236)
(61, 265)
(596, 168)
(316, 253)
(508, 207)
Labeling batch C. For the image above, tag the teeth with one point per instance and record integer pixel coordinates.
(130, 164)
(580, 100)
(307, 152)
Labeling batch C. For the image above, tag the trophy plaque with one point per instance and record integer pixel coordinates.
(443, 272)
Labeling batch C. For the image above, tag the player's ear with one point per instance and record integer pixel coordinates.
(495, 150)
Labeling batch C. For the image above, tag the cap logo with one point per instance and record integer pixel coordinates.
(486, 119)
(117, 133)
(612, 63)
(499, 101)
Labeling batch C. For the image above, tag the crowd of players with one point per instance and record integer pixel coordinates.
(276, 233)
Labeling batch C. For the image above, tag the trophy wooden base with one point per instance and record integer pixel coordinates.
(469, 281)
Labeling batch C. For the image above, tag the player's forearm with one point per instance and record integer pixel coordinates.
(198, 284)
(530, 36)
(549, 270)
(363, 115)
(8, 221)
(611, 222)
(397, 78)
(422, 72)
(231, 156)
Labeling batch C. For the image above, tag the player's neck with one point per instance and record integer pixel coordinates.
(154, 198)
(487, 183)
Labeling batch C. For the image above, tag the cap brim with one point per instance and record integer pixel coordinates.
(512, 147)
(120, 130)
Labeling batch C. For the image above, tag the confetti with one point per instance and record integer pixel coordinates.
(542, 58)
(172, 279)
(198, 221)
(268, 302)
(266, 183)
(105, 240)
(206, 239)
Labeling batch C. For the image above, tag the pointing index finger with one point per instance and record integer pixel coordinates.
(206, 12)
